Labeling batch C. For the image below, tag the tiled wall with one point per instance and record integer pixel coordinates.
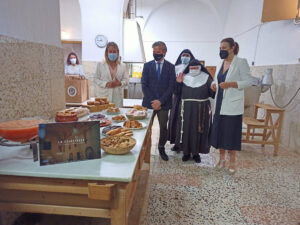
(31, 79)
(286, 82)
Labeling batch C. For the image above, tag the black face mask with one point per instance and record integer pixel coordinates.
(223, 54)
(158, 57)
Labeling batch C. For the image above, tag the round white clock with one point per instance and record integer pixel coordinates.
(101, 41)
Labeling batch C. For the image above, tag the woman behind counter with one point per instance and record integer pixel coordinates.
(229, 85)
(73, 67)
(111, 76)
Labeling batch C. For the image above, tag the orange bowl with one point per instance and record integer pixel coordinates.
(19, 130)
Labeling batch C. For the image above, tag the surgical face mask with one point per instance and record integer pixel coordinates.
(112, 56)
(185, 59)
(73, 61)
(194, 72)
(158, 57)
(223, 54)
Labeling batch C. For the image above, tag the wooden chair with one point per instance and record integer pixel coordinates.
(269, 129)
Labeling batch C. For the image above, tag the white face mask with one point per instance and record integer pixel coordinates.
(194, 72)
(73, 61)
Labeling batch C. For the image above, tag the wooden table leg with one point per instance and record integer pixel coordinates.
(119, 211)
(278, 126)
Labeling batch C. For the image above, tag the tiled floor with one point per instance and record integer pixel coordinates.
(264, 190)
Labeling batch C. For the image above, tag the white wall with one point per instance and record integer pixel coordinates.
(31, 20)
(208, 21)
(100, 17)
(271, 43)
(195, 24)
(70, 19)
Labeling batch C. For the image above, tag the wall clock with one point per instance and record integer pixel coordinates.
(101, 41)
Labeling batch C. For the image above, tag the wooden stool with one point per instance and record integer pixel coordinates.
(270, 126)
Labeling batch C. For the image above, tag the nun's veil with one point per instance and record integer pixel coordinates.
(178, 61)
(195, 62)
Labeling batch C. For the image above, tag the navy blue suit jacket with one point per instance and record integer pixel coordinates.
(162, 89)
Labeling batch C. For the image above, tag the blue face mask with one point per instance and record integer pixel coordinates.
(185, 59)
(112, 56)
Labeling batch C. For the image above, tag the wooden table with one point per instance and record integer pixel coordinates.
(94, 188)
(270, 126)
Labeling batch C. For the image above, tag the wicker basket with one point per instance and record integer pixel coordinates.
(118, 151)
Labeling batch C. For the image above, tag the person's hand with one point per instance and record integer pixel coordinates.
(109, 84)
(179, 78)
(82, 77)
(116, 82)
(224, 85)
(156, 104)
(213, 87)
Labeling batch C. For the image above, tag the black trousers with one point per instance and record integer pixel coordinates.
(163, 116)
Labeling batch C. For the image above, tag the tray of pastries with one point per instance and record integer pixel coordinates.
(112, 110)
(139, 107)
(117, 145)
(98, 104)
(66, 117)
(80, 111)
(136, 114)
(101, 118)
(119, 118)
(120, 131)
(134, 124)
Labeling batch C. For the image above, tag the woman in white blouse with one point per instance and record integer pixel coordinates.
(72, 67)
(111, 76)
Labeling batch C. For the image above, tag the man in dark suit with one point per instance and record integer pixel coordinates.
(158, 81)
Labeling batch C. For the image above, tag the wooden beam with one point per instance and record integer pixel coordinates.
(70, 42)
(51, 209)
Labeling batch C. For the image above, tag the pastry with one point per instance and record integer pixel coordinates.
(139, 107)
(66, 117)
(117, 144)
(119, 118)
(108, 128)
(80, 111)
(120, 132)
(101, 98)
(132, 124)
(90, 102)
(113, 110)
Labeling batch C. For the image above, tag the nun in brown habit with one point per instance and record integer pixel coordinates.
(194, 117)
(180, 65)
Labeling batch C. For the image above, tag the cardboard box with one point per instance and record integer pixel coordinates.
(76, 89)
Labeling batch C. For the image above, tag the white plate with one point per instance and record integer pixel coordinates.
(143, 126)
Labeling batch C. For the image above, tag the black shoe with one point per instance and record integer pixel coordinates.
(175, 148)
(163, 154)
(197, 158)
(185, 158)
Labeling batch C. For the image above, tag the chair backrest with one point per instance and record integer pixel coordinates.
(252, 95)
